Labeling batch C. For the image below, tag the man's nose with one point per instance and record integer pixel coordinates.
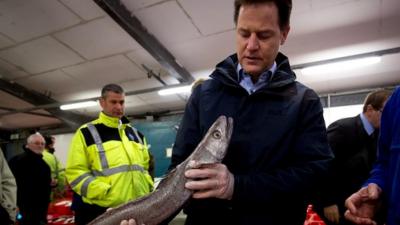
(253, 42)
(119, 106)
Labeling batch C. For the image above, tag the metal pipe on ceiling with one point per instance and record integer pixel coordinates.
(128, 21)
(54, 104)
(351, 57)
(35, 98)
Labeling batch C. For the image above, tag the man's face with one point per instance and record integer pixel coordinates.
(36, 144)
(113, 104)
(258, 37)
(375, 116)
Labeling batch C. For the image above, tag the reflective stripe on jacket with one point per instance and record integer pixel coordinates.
(113, 171)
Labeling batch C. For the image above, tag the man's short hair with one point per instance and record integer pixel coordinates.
(284, 9)
(31, 137)
(376, 99)
(113, 88)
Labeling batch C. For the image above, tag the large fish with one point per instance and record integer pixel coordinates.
(171, 193)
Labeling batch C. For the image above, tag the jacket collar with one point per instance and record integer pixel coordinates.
(32, 154)
(112, 121)
(226, 72)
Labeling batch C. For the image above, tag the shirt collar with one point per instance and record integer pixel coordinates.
(263, 75)
(366, 124)
(246, 82)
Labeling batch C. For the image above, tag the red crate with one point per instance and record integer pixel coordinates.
(312, 217)
(60, 212)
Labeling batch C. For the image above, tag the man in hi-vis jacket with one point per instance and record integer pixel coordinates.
(108, 160)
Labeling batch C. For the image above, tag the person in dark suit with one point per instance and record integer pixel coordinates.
(33, 178)
(354, 143)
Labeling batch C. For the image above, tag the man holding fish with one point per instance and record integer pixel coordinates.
(278, 150)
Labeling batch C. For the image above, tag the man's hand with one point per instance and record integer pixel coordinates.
(331, 213)
(53, 182)
(210, 180)
(363, 204)
(126, 222)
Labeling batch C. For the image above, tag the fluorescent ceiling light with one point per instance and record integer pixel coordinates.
(341, 65)
(78, 105)
(175, 90)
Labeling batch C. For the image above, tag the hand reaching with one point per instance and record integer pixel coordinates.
(363, 204)
(54, 182)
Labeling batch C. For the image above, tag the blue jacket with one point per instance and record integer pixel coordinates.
(386, 172)
(278, 149)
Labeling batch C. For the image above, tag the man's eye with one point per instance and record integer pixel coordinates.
(264, 35)
(244, 33)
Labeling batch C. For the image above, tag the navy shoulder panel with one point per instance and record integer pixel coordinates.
(106, 134)
(132, 136)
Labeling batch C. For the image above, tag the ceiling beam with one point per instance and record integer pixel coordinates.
(73, 120)
(117, 11)
(51, 105)
(31, 113)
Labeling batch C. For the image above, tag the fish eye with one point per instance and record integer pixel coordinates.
(217, 134)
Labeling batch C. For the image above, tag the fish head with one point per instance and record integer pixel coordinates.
(214, 144)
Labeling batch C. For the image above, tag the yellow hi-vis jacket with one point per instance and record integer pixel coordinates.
(108, 162)
(57, 169)
(57, 172)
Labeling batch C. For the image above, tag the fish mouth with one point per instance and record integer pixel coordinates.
(229, 127)
(228, 133)
(227, 123)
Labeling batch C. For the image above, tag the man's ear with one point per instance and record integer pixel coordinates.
(102, 101)
(284, 34)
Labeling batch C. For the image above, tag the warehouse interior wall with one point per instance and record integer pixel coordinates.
(160, 132)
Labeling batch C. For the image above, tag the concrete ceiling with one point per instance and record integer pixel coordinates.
(67, 50)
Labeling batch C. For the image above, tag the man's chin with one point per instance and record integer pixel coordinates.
(118, 115)
(252, 70)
